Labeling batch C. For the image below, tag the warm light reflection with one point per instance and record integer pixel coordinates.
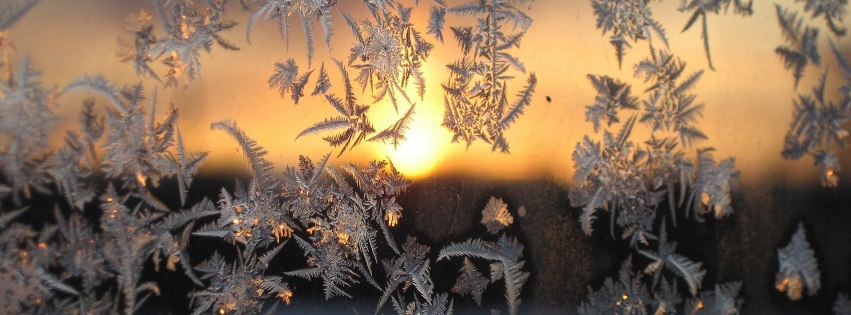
(343, 238)
(781, 286)
(285, 296)
(141, 178)
(283, 231)
(392, 218)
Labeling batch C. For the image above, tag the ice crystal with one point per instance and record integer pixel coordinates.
(798, 267)
(612, 95)
(25, 260)
(12, 11)
(817, 126)
(632, 20)
(285, 76)
(818, 122)
(723, 300)
(323, 83)
(476, 95)
(411, 268)
(335, 220)
(629, 21)
(436, 22)
(25, 126)
(631, 295)
(803, 43)
(714, 184)
(306, 10)
(298, 86)
(471, 282)
(134, 227)
(630, 180)
(610, 176)
(334, 223)
(495, 215)
(842, 305)
(844, 69)
(395, 133)
(389, 54)
(240, 288)
(670, 107)
(343, 225)
(353, 118)
(188, 31)
(126, 249)
(702, 8)
(140, 49)
(507, 252)
(666, 258)
(626, 296)
(81, 251)
(440, 304)
(833, 10)
(137, 149)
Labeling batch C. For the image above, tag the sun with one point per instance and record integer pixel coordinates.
(416, 156)
(419, 154)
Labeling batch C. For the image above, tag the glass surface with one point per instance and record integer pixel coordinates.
(748, 104)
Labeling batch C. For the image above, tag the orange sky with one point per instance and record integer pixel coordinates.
(748, 99)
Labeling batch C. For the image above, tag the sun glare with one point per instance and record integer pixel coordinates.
(424, 146)
(419, 154)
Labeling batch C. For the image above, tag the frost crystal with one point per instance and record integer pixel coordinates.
(798, 267)
(495, 215)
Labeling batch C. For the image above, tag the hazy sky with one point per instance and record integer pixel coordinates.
(748, 98)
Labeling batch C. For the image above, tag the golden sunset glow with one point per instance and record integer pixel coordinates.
(234, 86)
